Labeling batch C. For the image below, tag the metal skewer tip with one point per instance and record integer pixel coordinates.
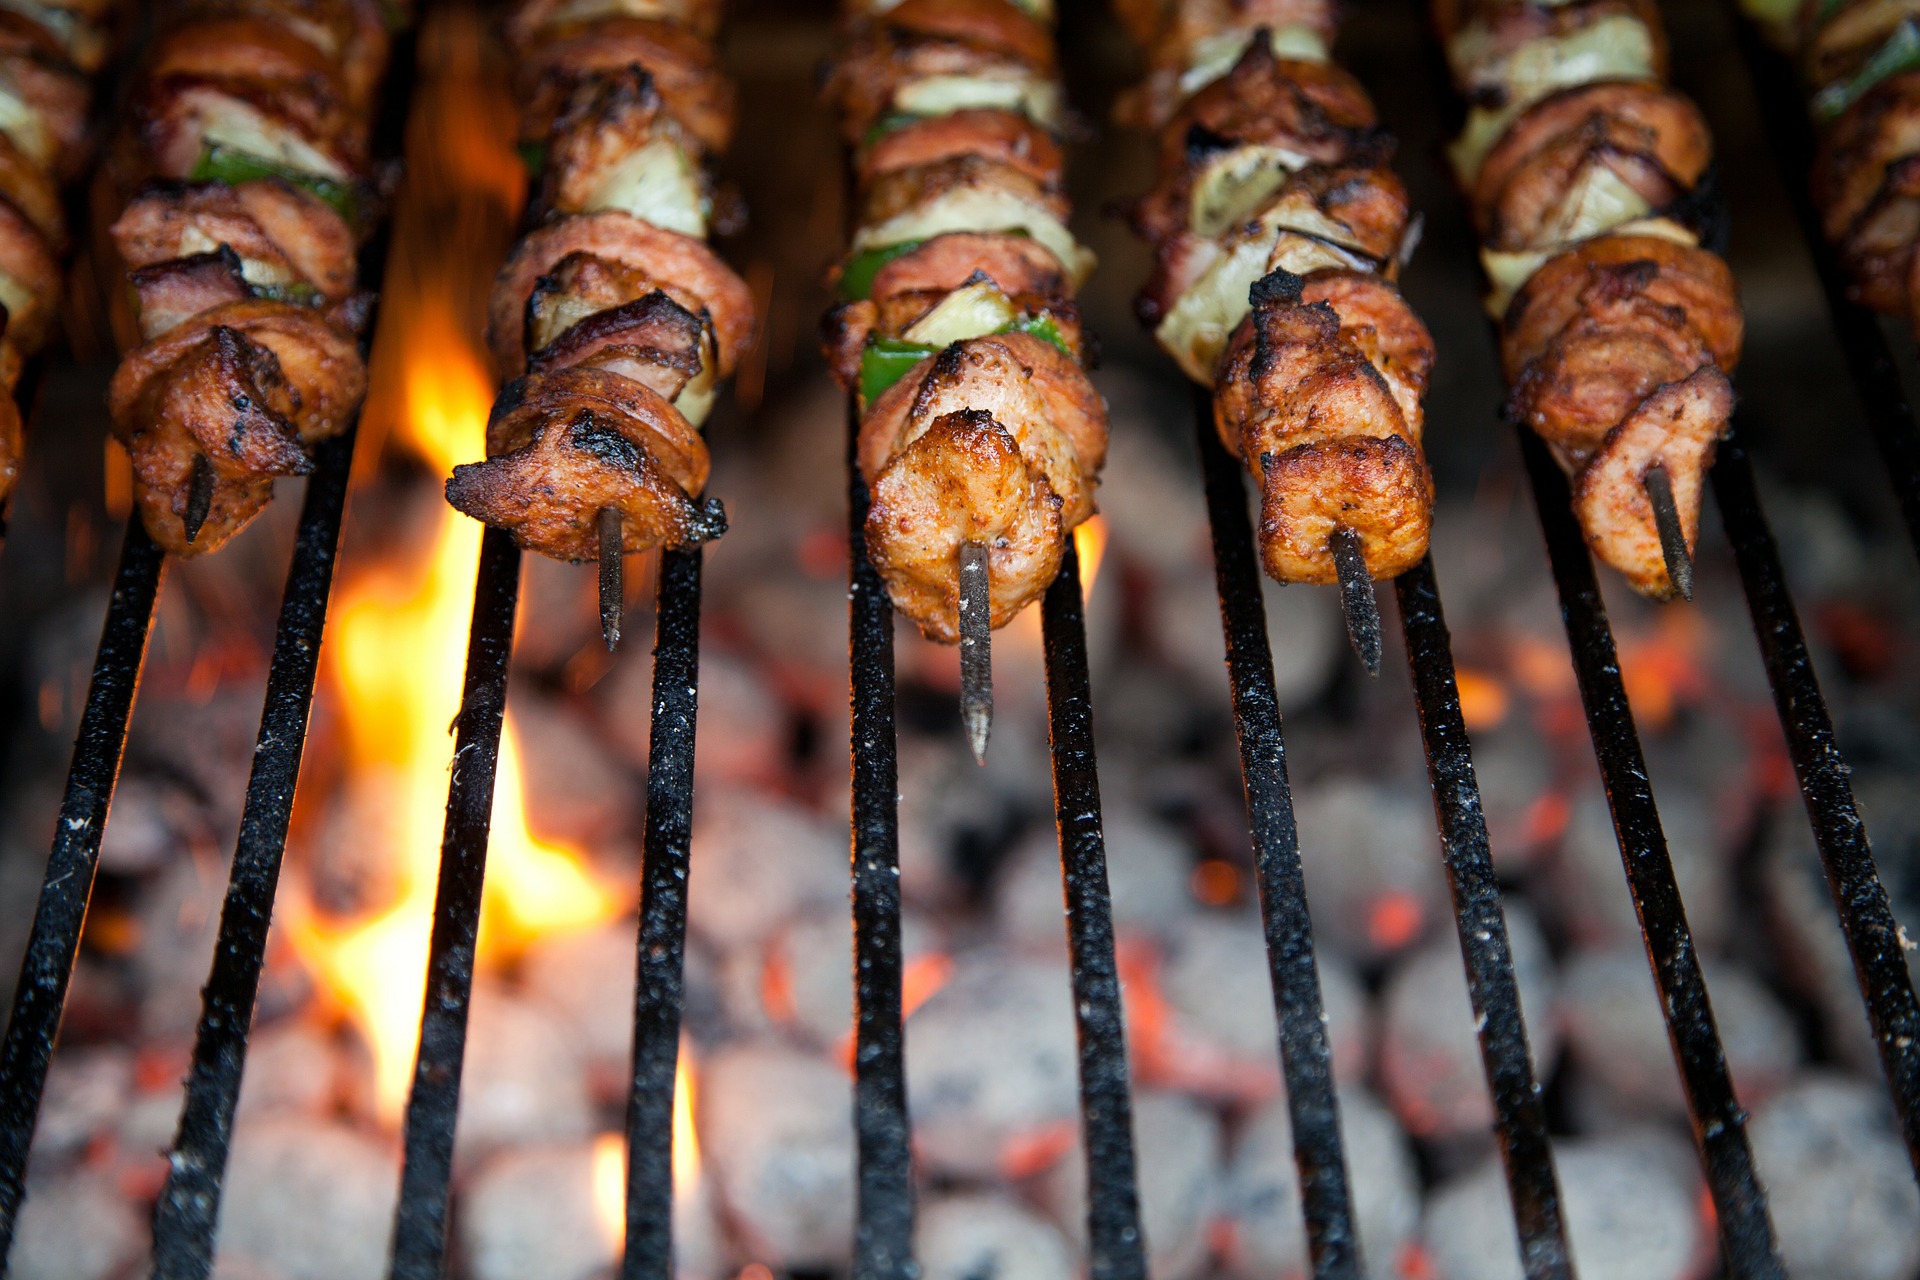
(613, 587)
(976, 648)
(1673, 538)
(199, 496)
(1356, 596)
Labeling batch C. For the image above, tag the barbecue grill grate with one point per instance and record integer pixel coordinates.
(188, 1211)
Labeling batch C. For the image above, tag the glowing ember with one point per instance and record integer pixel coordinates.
(1483, 699)
(1090, 540)
(398, 633)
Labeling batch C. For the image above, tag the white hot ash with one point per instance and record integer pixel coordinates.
(1372, 865)
(992, 1065)
(1431, 1071)
(1608, 1010)
(1266, 1233)
(1217, 1034)
(1588, 886)
(757, 861)
(1631, 1202)
(746, 728)
(984, 1235)
(1148, 867)
(776, 1124)
(524, 1080)
(76, 1227)
(1177, 1162)
(309, 1199)
(806, 975)
(1842, 1193)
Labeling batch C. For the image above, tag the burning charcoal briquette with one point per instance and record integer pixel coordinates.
(1372, 865)
(1217, 1035)
(991, 1063)
(154, 822)
(777, 1126)
(1177, 1156)
(1147, 871)
(1267, 1235)
(951, 808)
(1609, 1015)
(86, 1093)
(1591, 900)
(745, 730)
(179, 917)
(1842, 1193)
(310, 1199)
(574, 789)
(1304, 627)
(758, 860)
(984, 1236)
(556, 1213)
(524, 1079)
(78, 1227)
(1430, 1065)
(1631, 1204)
(806, 978)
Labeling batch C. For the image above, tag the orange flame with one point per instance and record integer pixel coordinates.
(610, 1159)
(1090, 540)
(397, 635)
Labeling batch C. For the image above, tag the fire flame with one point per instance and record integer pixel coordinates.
(398, 632)
(610, 1159)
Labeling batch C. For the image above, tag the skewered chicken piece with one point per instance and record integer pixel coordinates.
(1618, 330)
(1277, 232)
(246, 187)
(981, 438)
(613, 321)
(1861, 62)
(47, 53)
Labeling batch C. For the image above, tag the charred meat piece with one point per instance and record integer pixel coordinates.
(679, 63)
(1866, 184)
(288, 241)
(1313, 109)
(932, 57)
(168, 294)
(563, 446)
(982, 133)
(534, 20)
(615, 147)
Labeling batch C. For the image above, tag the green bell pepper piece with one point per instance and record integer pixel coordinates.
(223, 164)
(856, 280)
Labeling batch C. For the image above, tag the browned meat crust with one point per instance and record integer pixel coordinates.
(1866, 184)
(999, 137)
(920, 38)
(1652, 139)
(680, 64)
(277, 229)
(1314, 108)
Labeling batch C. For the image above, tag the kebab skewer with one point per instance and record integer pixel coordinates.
(1861, 62)
(980, 438)
(1278, 231)
(48, 54)
(246, 189)
(612, 323)
(1618, 328)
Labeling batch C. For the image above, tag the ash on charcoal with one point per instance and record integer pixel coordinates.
(988, 1236)
(350, 865)
(1267, 1237)
(991, 1067)
(310, 1199)
(524, 1079)
(1177, 1149)
(1608, 1011)
(1842, 1193)
(1304, 628)
(87, 1091)
(1372, 865)
(573, 789)
(1150, 491)
(954, 814)
(77, 1227)
(1590, 897)
(179, 918)
(1148, 866)
(746, 731)
(1630, 1204)
(1217, 1034)
(586, 980)
(529, 1214)
(777, 1125)
(758, 860)
(154, 822)
(1430, 1066)
(1514, 768)
(291, 1066)
(806, 976)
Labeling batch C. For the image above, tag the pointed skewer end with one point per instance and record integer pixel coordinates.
(199, 497)
(612, 577)
(976, 648)
(1673, 537)
(1357, 599)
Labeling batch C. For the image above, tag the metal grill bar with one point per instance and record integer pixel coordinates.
(55, 940)
(1116, 1249)
(1873, 936)
(189, 1206)
(1863, 344)
(883, 1231)
(663, 919)
(420, 1222)
(1718, 1120)
(1520, 1121)
(1305, 1055)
